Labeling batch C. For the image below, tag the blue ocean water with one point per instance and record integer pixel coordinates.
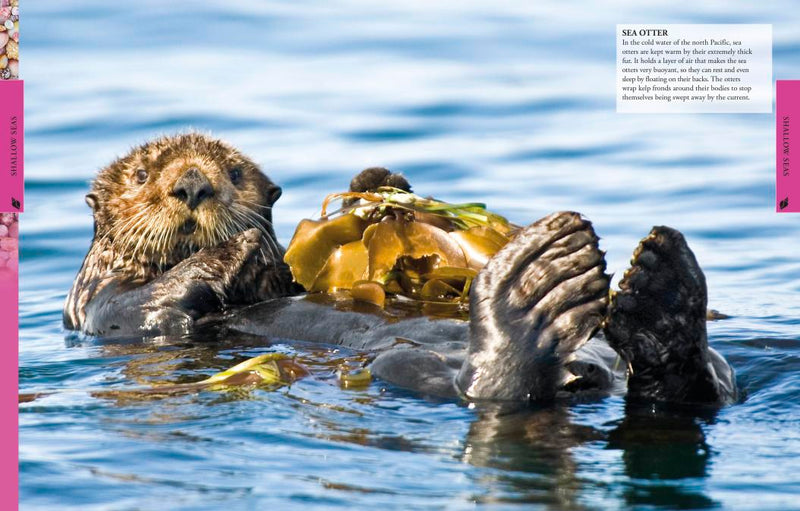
(509, 103)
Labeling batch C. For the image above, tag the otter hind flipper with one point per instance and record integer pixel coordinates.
(536, 302)
(657, 321)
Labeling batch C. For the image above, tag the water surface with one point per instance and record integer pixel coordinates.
(509, 103)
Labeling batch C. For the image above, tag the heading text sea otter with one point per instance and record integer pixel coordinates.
(694, 68)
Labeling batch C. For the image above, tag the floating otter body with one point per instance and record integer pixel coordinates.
(183, 242)
(168, 246)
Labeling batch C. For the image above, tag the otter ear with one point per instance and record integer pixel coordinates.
(273, 194)
(91, 201)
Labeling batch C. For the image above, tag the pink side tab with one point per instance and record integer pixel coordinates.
(11, 135)
(787, 154)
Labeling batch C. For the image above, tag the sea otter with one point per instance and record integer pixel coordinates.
(171, 239)
(184, 243)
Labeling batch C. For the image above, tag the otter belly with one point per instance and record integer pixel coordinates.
(416, 352)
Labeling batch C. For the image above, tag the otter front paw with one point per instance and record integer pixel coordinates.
(202, 283)
(171, 303)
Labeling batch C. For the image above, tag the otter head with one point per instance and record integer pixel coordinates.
(171, 197)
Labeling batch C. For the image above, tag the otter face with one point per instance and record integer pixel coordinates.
(175, 195)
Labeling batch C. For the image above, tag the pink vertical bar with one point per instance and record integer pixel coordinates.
(787, 151)
(11, 154)
(11, 202)
(9, 359)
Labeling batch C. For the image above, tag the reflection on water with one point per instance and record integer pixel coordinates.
(510, 104)
(531, 450)
(665, 453)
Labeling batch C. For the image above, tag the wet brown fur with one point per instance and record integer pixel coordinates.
(138, 225)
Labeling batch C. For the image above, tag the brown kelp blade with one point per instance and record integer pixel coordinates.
(479, 244)
(347, 265)
(393, 240)
(315, 241)
(398, 241)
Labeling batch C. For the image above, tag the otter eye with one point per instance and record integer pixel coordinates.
(235, 174)
(141, 176)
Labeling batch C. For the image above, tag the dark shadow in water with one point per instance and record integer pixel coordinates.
(531, 450)
(663, 447)
(665, 456)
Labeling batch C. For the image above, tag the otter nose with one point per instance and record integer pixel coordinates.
(193, 187)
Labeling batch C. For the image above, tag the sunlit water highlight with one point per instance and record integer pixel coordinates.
(511, 104)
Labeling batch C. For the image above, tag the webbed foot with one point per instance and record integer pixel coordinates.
(657, 321)
(537, 301)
